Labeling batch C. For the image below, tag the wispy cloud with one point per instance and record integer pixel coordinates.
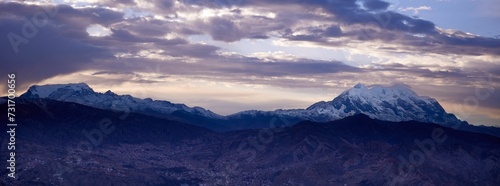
(416, 10)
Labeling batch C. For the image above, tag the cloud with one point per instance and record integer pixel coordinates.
(224, 30)
(375, 5)
(415, 10)
(338, 23)
(231, 21)
(333, 31)
(44, 52)
(112, 73)
(409, 33)
(62, 45)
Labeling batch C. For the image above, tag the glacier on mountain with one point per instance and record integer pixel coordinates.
(81, 93)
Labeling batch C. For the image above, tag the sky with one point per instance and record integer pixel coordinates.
(234, 55)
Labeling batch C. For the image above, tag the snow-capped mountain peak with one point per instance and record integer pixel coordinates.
(389, 103)
(82, 93)
(44, 91)
(109, 93)
(378, 93)
(359, 86)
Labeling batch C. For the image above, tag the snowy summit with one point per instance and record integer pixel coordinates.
(81, 93)
(394, 103)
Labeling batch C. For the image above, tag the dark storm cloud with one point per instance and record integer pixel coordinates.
(481, 78)
(304, 37)
(61, 44)
(46, 55)
(451, 72)
(43, 42)
(300, 68)
(463, 39)
(390, 26)
(333, 31)
(190, 50)
(424, 71)
(224, 30)
(466, 97)
(69, 22)
(128, 42)
(350, 12)
(236, 67)
(235, 27)
(113, 73)
(375, 4)
(124, 77)
(117, 3)
(164, 4)
(126, 36)
(239, 69)
(440, 42)
(147, 27)
(397, 21)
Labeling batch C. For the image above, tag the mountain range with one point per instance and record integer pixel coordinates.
(81, 93)
(395, 103)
